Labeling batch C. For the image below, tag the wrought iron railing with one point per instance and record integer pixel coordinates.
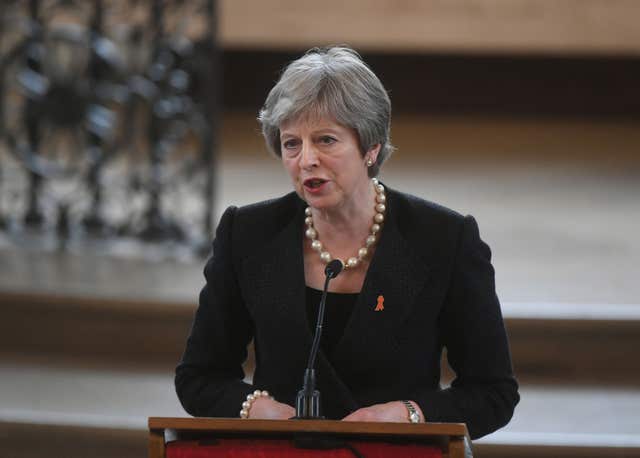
(108, 114)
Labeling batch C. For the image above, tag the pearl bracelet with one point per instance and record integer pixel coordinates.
(246, 405)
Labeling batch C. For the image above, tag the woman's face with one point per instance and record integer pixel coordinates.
(324, 161)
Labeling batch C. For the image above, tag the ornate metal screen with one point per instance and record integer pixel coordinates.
(107, 121)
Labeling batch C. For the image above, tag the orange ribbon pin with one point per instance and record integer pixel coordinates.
(380, 304)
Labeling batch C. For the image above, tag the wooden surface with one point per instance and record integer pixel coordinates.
(156, 443)
(230, 425)
(450, 436)
(508, 26)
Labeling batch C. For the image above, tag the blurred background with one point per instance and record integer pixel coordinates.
(127, 127)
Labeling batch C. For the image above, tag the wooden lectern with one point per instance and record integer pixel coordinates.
(451, 440)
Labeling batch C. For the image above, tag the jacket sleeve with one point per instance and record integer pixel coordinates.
(209, 379)
(484, 392)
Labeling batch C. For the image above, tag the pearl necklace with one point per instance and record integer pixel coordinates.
(378, 219)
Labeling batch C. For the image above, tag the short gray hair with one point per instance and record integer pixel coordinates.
(334, 82)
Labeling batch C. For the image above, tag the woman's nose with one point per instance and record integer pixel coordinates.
(308, 156)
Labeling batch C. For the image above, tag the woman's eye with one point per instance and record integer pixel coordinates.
(290, 148)
(325, 139)
(290, 144)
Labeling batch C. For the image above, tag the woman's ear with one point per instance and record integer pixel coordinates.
(373, 153)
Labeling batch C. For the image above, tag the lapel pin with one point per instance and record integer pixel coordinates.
(380, 304)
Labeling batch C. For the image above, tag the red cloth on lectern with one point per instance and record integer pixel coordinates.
(278, 448)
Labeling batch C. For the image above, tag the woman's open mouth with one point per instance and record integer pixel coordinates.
(314, 184)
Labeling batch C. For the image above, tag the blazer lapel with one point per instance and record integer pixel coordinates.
(276, 282)
(395, 278)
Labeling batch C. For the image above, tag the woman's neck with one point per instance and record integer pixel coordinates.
(347, 226)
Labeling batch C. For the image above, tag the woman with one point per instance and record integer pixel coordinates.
(417, 277)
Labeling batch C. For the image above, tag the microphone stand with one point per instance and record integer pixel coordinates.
(308, 398)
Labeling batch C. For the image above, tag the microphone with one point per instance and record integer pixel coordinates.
(333, 269)
(308, 399)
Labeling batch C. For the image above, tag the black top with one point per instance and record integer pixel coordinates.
(436, 280)
(337, 311)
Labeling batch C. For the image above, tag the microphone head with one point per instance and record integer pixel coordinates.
(333, 268)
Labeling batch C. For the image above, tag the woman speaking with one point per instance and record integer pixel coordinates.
(417, 278)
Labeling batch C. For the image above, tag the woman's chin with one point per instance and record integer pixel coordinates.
(319, 202)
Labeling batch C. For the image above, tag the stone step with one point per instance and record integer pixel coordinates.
(97, 330)
(71, 411)
(575, 343)
(551, 342)
(570, 421)
(39, 439)
(67, 410)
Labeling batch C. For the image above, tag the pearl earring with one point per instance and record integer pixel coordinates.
(369, 162)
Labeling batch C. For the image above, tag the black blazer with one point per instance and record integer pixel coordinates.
(437, 281)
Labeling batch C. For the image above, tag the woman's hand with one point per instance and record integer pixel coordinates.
(269, 409)
(394, 411)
